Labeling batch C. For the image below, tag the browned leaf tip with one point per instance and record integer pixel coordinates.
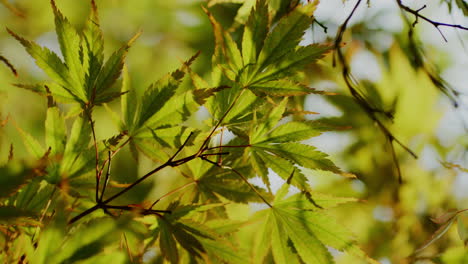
(9, 65)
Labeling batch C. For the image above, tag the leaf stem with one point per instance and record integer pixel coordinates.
(172, 192)
(241, 176)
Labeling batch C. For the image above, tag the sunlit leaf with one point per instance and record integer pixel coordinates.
(77, 145)
(270, 120)
(32, 145)
(56, 91)
(255, 31)
(226, 50)
(282, 87)
(55, 130)
(462, 227)
(303, 155)
(109, 73)
(53, 66)
(70, 46)
(293, 61)
(284, 38)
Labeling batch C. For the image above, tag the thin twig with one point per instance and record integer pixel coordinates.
(241, 176)
(171, 192)
(93, 132)
(169, 163)
(106, 180)
(132, 208)
(205, 143)
(229, 146)
(181, 147)
(325, 29)
(113, 153)
(360, 99)
(436, 24)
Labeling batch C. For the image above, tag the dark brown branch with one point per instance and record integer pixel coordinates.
(137, 209)
(169, 163)
(360, 99)
(436, 24)
(325, 29)
(204, 146)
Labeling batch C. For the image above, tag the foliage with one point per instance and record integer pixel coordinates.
(176, 174)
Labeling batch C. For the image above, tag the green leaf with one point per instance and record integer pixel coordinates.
(295, 131)
(282, 251)
(128, 99)
(31, 144)
(294, 60)
(436, 235)
(255, 31)
(268, 122)
(462, 227)
(310, 200)
(167, 242)
(161, 106)
(76, 154)
(331, 233)
(11, 213)
(282, 87)
(48, 246)
(223, 250)
(463, 6)
(70, 45)
(197, 239)
(309, 248)
(280, 229)
(150, 148)
(219, 104)
(229, 186)
(284, 38)
(284, 168)
(51, 64)
(171, 137)
(174, 111)
(152, 142)
(109, 73)
(14, 175)
(304, 155)
(226, 50)
(55, 130)
(93, 48)
(296, 224)
(259, 167)
(56, 91)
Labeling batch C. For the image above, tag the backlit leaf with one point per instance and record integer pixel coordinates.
(286, 35)
(70, 46)
(51, 64)
(303, 155)
(255, 31)
(282, 87)
(55, 130)
(110, 72)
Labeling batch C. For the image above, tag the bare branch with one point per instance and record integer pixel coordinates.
(436, 24)
(360, 99)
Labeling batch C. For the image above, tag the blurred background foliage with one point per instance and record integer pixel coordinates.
(393, 220)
